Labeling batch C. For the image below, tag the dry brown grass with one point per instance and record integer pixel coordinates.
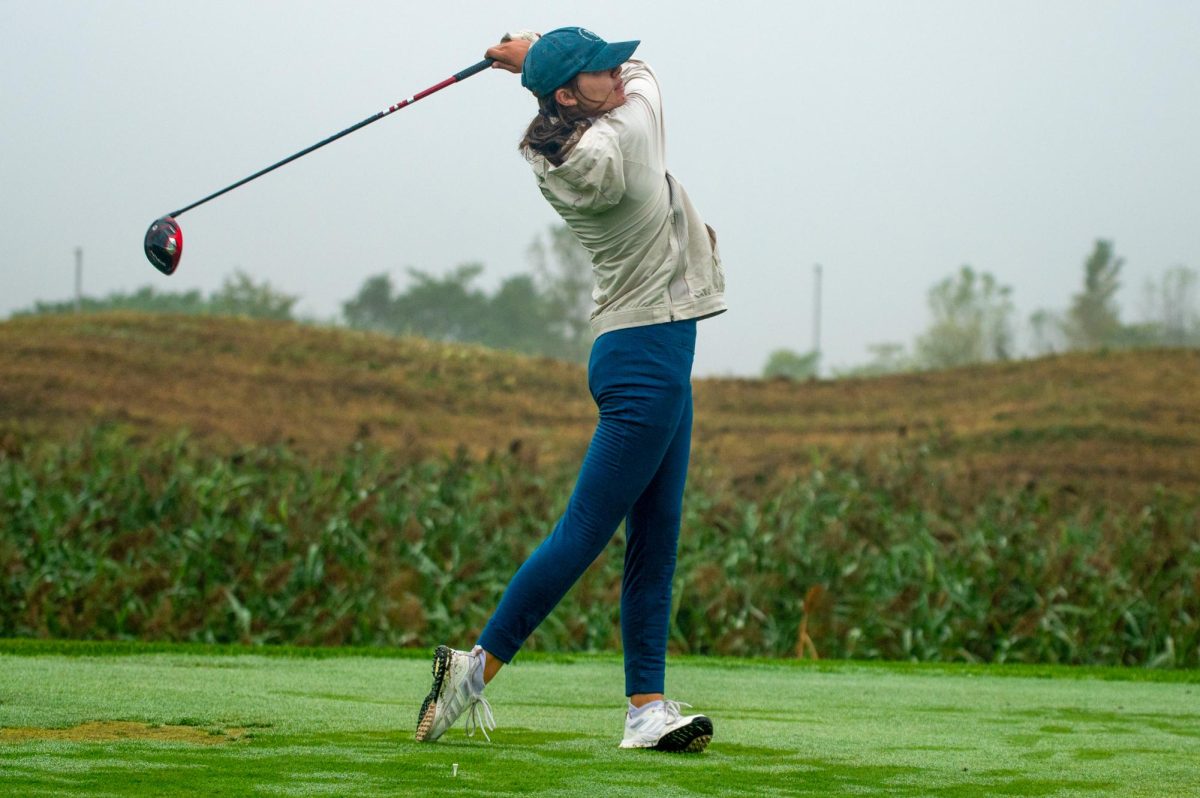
(1117, 423)
(1104, 424)
(110, 731)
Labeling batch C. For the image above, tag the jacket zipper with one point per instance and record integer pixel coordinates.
(682, 265)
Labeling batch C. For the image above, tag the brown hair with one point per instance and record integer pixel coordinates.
(555, 131)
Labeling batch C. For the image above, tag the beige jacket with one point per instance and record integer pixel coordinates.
(653, 257)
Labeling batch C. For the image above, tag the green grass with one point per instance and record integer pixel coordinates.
(326, 724)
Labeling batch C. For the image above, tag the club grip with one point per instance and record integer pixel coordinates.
(473, 70)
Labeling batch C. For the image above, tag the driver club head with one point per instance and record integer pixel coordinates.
(164, 244)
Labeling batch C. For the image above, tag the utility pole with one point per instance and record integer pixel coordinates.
(817, 315)
(78, 279)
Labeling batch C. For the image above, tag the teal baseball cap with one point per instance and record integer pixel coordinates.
(563, 53)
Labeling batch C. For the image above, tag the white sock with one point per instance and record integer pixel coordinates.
(635, 712)
(477, 676)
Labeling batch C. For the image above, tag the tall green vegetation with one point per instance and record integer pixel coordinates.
(107, 539)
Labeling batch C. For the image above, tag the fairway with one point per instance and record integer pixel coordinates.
(310, 722)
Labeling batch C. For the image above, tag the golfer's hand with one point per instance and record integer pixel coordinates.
(509, 55)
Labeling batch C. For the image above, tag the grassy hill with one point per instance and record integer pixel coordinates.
(1012, 513)
(1111, 426)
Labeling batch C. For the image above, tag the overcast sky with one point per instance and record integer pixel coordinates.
(890, 142)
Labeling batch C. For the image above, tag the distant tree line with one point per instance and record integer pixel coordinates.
(972, 322)
(543, 313)
(546, 312)
(238, 296)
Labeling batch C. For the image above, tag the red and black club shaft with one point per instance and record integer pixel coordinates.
(164, 239)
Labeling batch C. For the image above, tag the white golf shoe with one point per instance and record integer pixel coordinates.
(457, 687)
(662, 727)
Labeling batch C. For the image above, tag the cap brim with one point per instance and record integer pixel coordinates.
(613, 55)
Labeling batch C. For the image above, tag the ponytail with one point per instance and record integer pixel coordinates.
(554, 132)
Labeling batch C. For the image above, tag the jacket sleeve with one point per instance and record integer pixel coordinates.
(641, 90)
(639, 121)
(593, 178)
(603, 181)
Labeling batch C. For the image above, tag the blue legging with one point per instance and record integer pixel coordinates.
(635, 470)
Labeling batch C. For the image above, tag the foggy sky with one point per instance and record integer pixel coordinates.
(890, 142)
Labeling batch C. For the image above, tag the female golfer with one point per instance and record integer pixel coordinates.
(597, 148)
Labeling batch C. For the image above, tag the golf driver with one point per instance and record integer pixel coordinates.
(164, 239)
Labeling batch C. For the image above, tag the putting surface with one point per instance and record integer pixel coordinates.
(185, 721)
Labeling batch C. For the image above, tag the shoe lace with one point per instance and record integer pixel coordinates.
(479, 716)
(671, 708)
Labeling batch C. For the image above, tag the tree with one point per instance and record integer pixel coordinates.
(519, 318)
(241, 296)
(1172, 307)
(886, 358)
(1047, 328)
(440, 308)
(449, 308)
(238, 295)
(786, 364)
(372, 307)
(546, 313)
(971, 322)
(444, 309)
(1093, 321)
(144, 299)
(563, 270)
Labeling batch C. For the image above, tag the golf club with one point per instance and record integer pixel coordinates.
(164, 239)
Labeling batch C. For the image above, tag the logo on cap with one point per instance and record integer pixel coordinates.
(587, 34)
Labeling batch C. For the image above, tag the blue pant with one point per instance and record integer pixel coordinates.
(635, 470)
